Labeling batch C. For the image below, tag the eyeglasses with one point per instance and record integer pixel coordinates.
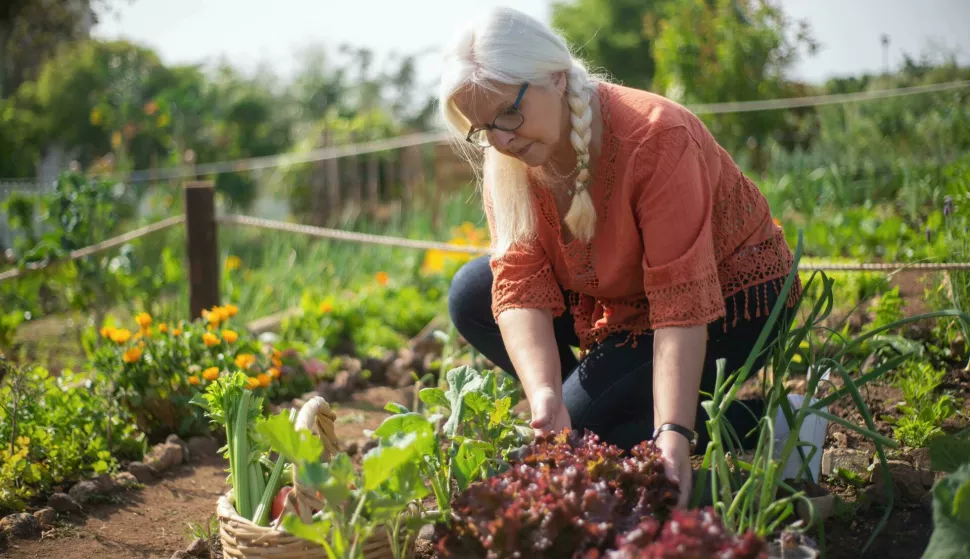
(509, 121)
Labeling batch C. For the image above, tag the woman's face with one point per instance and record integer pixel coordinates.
(544, 119)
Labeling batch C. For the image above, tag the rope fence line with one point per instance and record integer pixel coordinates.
(323, 154)
(400, 242)
(99, 247)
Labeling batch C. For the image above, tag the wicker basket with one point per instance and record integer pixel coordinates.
(243, 539)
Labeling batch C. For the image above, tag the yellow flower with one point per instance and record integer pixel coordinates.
(277, 354)
(116, 139)
(325, 307)
(233, 263)
(252, 383)
(274, 372)
(245, 360)
(382, 278)
(146, 332)
(177, 332)
(212, 373)
(107, 331)
(132, 354)
(434, 261)
(231, 310)
(210, 339)
(162, 120)
(162, 327)
(230, 336)
(120, 335)
(143, 319)
(277, 362)
(95, 116)
(264, 380)
(213, 316)
(193, 380)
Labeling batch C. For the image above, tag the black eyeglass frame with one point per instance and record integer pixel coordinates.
(493, 126)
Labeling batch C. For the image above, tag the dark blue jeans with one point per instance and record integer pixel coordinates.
(610, 391)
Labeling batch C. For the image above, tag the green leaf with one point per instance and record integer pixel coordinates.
(948, 453)
(318, 532)
(394, 407)
(434, 397)
(951, 516)
(297, 446)
(478, 402)
(461, 382)
(501, 412)
(403, 438)
(469, 461)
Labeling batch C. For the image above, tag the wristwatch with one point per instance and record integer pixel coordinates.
(689, 434)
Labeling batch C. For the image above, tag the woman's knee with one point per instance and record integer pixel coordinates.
(470, 294)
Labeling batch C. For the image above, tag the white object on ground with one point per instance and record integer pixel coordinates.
(813, 432)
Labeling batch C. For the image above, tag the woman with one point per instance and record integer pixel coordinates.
(620, 227)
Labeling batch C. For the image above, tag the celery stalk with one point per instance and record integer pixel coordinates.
(239, 457)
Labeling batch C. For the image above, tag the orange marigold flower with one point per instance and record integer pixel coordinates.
(277, 362)
(212, 373)
(231, 310)
(245, 360)
(107, 331)
(177, 332)
(162, 327)
(143, 319)
(325, 307)
(120, 335)
(274, 372)
(230, 336)
(252, 383)
(193, 380)
(132, 354)
(382, 278)
(210, 339)
(264, 380)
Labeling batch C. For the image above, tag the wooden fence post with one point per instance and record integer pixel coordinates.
(201, 246)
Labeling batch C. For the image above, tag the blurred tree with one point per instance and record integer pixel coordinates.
(710, 51)
(32, 30)
(612, 34)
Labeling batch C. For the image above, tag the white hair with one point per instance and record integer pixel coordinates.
(506, 46)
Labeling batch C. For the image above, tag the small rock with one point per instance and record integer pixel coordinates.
(174, 439)
(84, 491)
(199, 549)
(105, 484)
(840, 438)
(906, 480)
(202, 447)
(144, 473)
(377, 368)
(426, 532)
(824, 507)
(846, 459)
(352, 449)
(164, 456)
(20, 525)
(343, 384)
(125, 480)
(181, 555)
(45, 516)
(921, 461)
(62, 502)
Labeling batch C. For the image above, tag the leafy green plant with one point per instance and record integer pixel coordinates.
(746, 493)
(923, 414)
(951, 516)
(58, 429)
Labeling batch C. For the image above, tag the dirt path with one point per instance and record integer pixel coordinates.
(154, 522)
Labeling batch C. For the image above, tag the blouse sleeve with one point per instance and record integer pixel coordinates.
(522, 278)
(673, 208)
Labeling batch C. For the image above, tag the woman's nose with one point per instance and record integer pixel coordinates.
(501, 139)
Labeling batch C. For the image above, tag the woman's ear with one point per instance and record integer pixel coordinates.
(561, 82)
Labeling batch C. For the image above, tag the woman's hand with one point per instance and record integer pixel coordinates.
(549, 414)
(675, 449)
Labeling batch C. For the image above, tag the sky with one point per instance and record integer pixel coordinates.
(254, 33)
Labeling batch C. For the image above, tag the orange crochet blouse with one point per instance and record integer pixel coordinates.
(680, 229)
